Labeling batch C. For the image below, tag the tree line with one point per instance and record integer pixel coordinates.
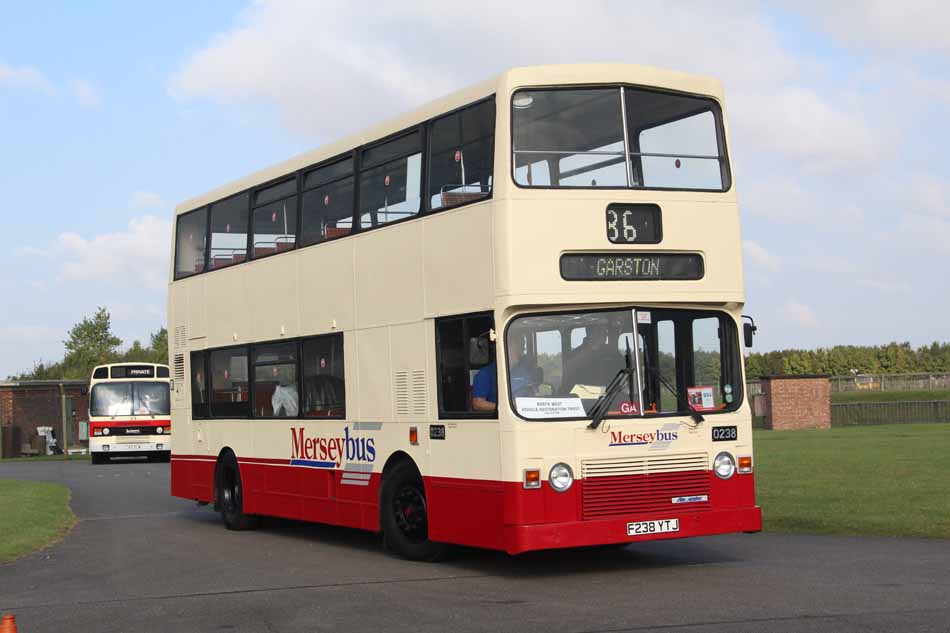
(843, 360)
(91, 342)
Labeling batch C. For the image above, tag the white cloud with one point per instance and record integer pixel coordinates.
(799, 313)
(932, 195)
(144, 243)
(25, 77)
(85, 93)
(801, 124)
(909, 26)
(760, 257)
(28, 333)
(830, 263)
(145, 200)
(888, 286)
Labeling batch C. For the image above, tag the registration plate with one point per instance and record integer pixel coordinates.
(134, 447)
(653, 527)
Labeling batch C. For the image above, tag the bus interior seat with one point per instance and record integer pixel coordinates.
(331, 232)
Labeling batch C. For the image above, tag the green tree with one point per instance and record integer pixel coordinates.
(90, 343)
(159, 345)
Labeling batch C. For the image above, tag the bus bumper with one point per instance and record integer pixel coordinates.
(525, 538)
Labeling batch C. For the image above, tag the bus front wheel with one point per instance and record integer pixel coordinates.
(229, 496)
(404, 515)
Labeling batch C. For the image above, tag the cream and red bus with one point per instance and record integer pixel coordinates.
(130, 412)
(509, 319)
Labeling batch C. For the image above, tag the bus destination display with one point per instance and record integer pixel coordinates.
(634, 224)
(639, 266)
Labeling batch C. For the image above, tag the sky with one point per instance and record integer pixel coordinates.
(112, 113)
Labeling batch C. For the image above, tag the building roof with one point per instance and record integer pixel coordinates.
(43, 383)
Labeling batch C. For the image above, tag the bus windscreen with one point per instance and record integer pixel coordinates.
(128, 398)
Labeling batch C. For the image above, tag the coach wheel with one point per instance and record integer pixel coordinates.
(98, 458)
(230, 496)
(404, 516)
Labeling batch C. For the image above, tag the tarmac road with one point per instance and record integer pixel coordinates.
(140, 560)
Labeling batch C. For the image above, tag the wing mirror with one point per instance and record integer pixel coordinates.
(748, 330)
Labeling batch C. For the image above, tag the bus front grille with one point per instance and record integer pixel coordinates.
(645, 485)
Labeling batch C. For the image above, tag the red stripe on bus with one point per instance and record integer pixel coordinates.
(480, 513)
(114, 423)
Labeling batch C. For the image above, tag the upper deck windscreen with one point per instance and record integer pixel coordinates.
(615, 137)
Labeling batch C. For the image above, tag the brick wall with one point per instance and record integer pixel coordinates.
(798, 402)
(24, 407)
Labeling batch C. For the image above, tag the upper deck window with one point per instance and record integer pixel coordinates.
(327, 210)
(617, 138)
(190, 243)
(275, 219)
(229, 231)
(391, 181)
(461, 149)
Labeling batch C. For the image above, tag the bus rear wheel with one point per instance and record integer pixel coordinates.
(229, 496)
(404, 516)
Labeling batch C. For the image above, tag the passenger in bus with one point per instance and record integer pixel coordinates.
(323, 392)
(285, 401)
(593, 363)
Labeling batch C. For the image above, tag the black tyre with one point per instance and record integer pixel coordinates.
(98, 458)
(404, 515)
(229, 497)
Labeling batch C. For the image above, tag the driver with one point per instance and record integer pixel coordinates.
(485, 385)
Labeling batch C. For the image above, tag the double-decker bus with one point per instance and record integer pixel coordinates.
(382, 334)
(130, 412)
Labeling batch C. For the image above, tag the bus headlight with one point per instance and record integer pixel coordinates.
(561, 477)
(724, 465)
(159, 430)
(105, 431)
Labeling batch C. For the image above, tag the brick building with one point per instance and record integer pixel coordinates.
(796, 402)
(27, 404)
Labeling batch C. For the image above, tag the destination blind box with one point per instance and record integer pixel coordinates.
(631, 266)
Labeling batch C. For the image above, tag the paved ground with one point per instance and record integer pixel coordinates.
(140, 560)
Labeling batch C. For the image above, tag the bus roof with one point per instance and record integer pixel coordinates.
(564, 74)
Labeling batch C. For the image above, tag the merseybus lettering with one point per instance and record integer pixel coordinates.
(327, 452)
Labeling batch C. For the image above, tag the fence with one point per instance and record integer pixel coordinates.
(909, 412)
(890, 382)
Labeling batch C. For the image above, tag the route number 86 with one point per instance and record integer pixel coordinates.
(626, 231)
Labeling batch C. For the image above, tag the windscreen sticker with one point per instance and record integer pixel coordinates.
(550, 407)
(644, 318)
(701, 398)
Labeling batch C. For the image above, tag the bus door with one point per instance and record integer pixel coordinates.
(464, 443)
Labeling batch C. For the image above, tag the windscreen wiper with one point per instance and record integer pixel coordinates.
(602, 405)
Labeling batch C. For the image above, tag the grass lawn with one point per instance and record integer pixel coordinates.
(32, 515)
(890, 396)
(46, 458)
(884, 480)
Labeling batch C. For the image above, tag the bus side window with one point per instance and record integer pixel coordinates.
(324, 381)
(460, 156)
(199, 386)
(465, 357)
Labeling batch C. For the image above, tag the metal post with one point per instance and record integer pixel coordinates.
(64, 441)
